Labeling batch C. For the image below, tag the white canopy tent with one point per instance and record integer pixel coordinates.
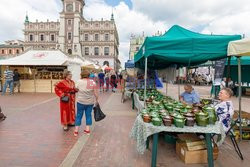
(46, 58)
(45, 69)
(39, 58)
(239, 48)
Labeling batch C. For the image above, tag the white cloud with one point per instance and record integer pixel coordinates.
(128, 22)
(12, 15)
(148, 16)
(230, 24)
(223, 16)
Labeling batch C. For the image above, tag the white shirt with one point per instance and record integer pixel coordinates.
(225, 112)
(85, 94)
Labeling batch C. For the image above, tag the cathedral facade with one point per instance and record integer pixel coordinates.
(74, 35)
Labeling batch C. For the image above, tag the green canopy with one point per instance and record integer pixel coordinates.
(245, 60)
(182, 47)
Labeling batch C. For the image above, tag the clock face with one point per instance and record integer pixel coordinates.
(69, 8)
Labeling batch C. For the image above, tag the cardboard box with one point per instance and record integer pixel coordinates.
(188, 137)
(192, 157)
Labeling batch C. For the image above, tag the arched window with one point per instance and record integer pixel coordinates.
(86, 37)
(96, 51)
(87, 51)
(96, 37)
(52, 37)
(69, 36)
(70, 51)
(106, 51)
(17, 51)
(106, 37)
(31, 37)
(42, 37)
(106, 63)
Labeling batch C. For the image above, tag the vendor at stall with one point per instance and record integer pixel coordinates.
(225, 109)
(189, 96)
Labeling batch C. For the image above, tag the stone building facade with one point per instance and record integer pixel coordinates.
(11, 48)
(135, 44)
(73, 34)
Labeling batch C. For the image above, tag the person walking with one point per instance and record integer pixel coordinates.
(86, 98)
(8, 77)
(16, 79)
(113, 81)
(107, 80)
(66, 91)
(120, 78)
(101, 76)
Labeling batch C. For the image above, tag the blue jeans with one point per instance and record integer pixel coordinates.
(6, 84)
(80, 110)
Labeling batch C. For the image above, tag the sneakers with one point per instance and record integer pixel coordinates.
(75, 133)
(86, 132)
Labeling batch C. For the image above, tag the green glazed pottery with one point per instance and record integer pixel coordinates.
(202, 118)
(156, 121)
(211, 114)
(179, 121)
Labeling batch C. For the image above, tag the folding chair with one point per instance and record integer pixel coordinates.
(231, 134)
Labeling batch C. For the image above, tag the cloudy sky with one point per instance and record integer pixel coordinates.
(135, 16)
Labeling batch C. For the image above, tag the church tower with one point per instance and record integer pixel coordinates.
(69, 33)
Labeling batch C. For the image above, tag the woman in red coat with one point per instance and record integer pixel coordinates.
(67, 88)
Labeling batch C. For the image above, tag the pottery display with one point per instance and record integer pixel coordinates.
(202, 118)
(146, 118)
(211, 114)
(167, 120)
(190, 121)
(165, 110)
(156, 121)
(179, 121)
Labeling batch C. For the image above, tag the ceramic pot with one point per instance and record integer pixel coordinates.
(177, 110)
(190, 121)
(163, 114)
(188, 108)
(154, 115)
(211, 114)
(202, 118)
(179, 121)
(143, 112)
(146, 118)
(167, 120)
(156, 121)
(189, 114)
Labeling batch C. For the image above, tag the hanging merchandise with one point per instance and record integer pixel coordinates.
(168, 73)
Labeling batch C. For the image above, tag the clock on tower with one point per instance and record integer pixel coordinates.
(69, 7)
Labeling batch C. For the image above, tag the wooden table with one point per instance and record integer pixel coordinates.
(141, 132)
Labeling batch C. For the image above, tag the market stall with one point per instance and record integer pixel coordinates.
(89, 67)
(40, 70)
(182, 48)
(164, 114)
(239, 48)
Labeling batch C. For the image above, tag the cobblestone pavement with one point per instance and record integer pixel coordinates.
(32, 135)
(109, 144)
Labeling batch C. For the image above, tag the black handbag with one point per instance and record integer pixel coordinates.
(98, 114)
(65, 99)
